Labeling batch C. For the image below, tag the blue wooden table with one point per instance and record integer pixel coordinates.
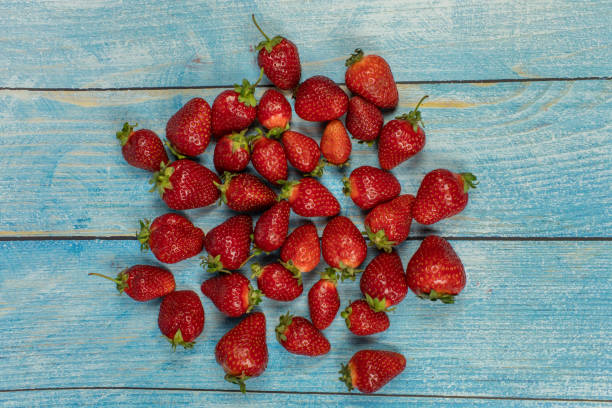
(520, 95)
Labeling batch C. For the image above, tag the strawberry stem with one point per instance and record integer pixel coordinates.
(227, 177)
(213, 264)
(469, 181)
(414, 116)
(124, 134)
(240, 379)
(433, 296)
(121, 280)
(268, 43)
(173, 150)
(284, 321)
(378, 305)
(287, 189)
(346, 314)
(379, 239)
(345, 377)
(355, 57)
(255, 298)
(161, 179)
(318, 171)
(246, 91)
(259, 28)
(144, 234)
(177, 340)
(330, 275)
(347, 186)
(297, 274)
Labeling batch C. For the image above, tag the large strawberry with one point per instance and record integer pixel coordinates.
(228, 244)
(335, 143)
(181, 318)
(272, 227)
(370, 370)
(324, 301)
(309, 198)
(281, 282)
(362, 320)
(442, 194)
(274, 111)
(246, 193)
(319, 99)
(302, 152)
(268, 158)
(143, 282)
(185, 184)
(388, 224)
(171, 237)
(383, 282)
(242, 351)
(370, 77)
(369, 186)
(142, 148)
(232, 153)
(231, 293)
(435, 271)
(298, 336)
(363, 120)
(302, 248)
(188, 130)
(344, 248)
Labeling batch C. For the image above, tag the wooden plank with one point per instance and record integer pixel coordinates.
(533, 322)
(530, 144)
(151, 43)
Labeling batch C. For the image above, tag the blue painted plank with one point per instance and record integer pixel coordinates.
(534, 321)
(139, 43)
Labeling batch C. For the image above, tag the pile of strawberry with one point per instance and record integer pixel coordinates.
(434, 271)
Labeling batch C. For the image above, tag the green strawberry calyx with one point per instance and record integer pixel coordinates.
(355, 57)
(277, 132)
(144, 234)
(347, 186)
(414, 116)
(161, 179)
(268, 43)
(287, 189)
(121, 280)
(239, 141)
(345, 272)
(177, 340)
(434, 295)
(469, 181)
(379, 239)
(330, 275)
(255, 298)
(345, 164)
(378, 305)
(227, 177)
(124, 134)
(238, 379)
(173, 150)
(252, 139)
(346, 314)
(283, 325)
(345, 376)
(257, 270)
(246, 91)
(317, 171)
(297, 274)
(370, 143)
(213, 264)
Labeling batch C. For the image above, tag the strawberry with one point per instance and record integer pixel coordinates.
(362, 320)
(344, 248)
(324, 301)
(442, 194)
(274, 111)
(383, 282)
(143, 282)
(401, 138)
(242, 351)
(278, 281)
(228, 244)
(246, 193)
(388, 224)
(303, 153)
(231, 293)
(181, 318)
(185, 184)
(142, 148)
(435, 271)
(301, 248)
(298, 336)
(319, 99)
(268, 158)
(188, 130)
(309, 198)
(171, 237)
(232, 153)
(272, 228)
(369, 186)
(363, 120)
(279, 59)
(370, 77)
(370, 370)
(335, 144)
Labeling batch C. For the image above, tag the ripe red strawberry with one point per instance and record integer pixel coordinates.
(142, 148)
(171, 237)
(309, 198)
(242, 351)
(268, 158)
(303, 153)
(370, 77)
(370, 370)
(442, 194)
(383, 282)
(363, 120)
(279, 59)
(281, 282)
(401, 138)
(188, 130)
(143, 282)
(388, 224)
(335, 143)
(232, 153)
(324, 301)
(274, 111)
(272, 228)
(362, 320)
(181, 318)
(298, 336)
(231, 293)
(228, 244)
(369, 186)
(435, 271)
(344, 248)
(246, 193)
(301, 248)
(319, 99)
(185, 184)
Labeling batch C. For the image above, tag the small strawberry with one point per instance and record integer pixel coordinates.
(319, 99)
(298, 336)
(362, 320)
(279, 59)
(370, 370)
(272, 228)
(242, 351)
(370, 77)
(335, 144)
(309, 198)
(228, 244)
(171, 237)
(188, 130)
(278, 281)
(324, 301)
(246, 193)
(303, 153)
(142, 148)
(363, 120)
(231, 293)
(435, 271)
(232, 153)
(442, 194)
(369, 186)
(181, 318)
(344, 248)
(274, 111)
(388, 224)
(401, 138)
(185, 184)
(383, 282)
(302, 248)
(143, 282)
(268, 158)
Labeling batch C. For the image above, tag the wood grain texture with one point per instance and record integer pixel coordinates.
(145, 43)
